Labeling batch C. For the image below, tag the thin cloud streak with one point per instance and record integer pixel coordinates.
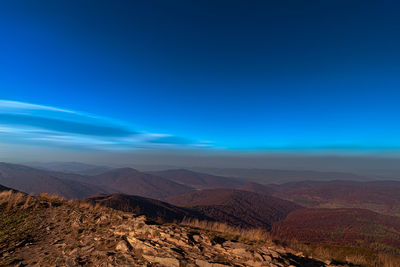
(30, 123)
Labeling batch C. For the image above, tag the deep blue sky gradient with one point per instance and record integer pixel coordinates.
(249, 75)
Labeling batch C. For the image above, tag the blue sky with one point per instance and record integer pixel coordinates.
(230, 75)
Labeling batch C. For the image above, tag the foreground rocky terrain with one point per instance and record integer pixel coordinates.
(49, 231)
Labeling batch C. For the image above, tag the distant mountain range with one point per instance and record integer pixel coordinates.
(378, 196)
(132, 182)
(69, 185)
(269, 176)
(71, 167)
(35, 181)
(157, 185)
(263, 176)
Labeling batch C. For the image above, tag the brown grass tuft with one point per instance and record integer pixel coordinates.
(51, 197)
(12, 199)
(358, 256)
(28, 202)
(248, 234)
(5, 196)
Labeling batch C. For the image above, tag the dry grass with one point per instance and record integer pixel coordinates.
(90, 206)
(357, 256)
(13, 200)
(18, 220)
(51, 198)
(5, 196)
(55, 200)
(28, 201)
(96, 207)
(247, 234)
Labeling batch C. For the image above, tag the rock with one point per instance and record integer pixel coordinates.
(258, 256)
(196, 238)
(20, 264)
(121, 246)
(241, 252)
(75, 250)
(140, 245)
(267, 258)
(163, 261)
(253, 263)
(202, 263)
(274, 254)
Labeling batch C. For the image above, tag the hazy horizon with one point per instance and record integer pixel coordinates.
(380, 167)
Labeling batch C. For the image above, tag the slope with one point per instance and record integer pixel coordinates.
(36, 181)
(198, 180)
(154, 210)
(236, 207)
(132, 182)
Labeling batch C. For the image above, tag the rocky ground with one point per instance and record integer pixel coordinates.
(45, 231)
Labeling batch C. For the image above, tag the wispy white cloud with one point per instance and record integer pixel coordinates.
(10, 105)
(30, 123)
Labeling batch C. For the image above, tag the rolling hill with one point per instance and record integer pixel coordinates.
(71, 167)
(378, 196)
(259, 188)
(268, 176)
(132, 182)
(154, 210)
(34, 181)
(341, 227)
(236, 207)
(198, 180)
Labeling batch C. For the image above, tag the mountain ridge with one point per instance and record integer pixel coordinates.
(198, 180)
(35, 181)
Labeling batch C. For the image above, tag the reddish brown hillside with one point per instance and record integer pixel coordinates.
(343, 227)
(378, 196)
(236, 207)
(259, 188)
(154, 210)
(132, 182)
(198, 180)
